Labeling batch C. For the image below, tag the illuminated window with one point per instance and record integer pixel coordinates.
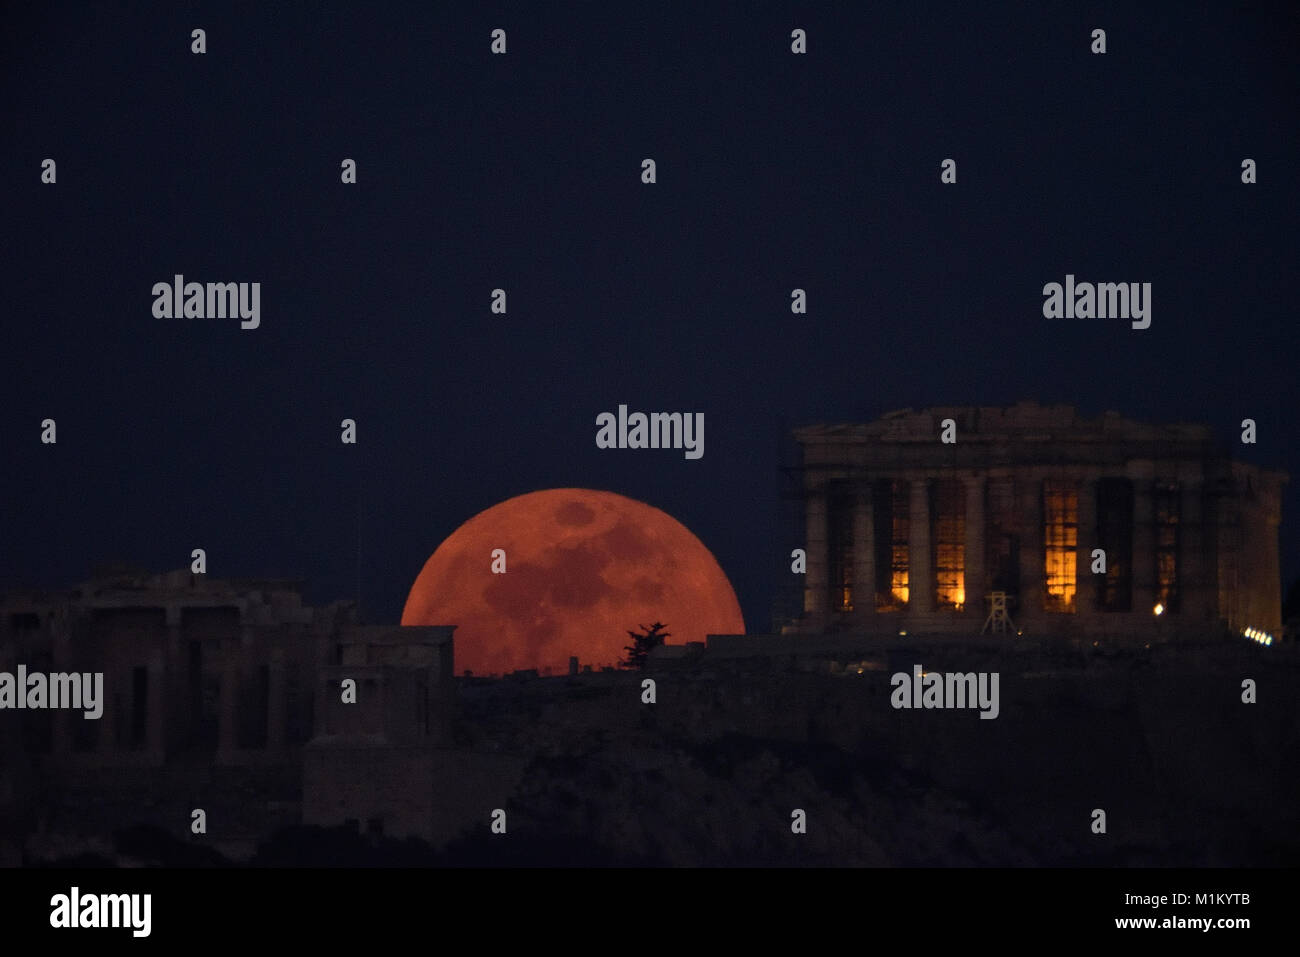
(1115, 537)
(840, 531)
(1164, 500)
(891, 510)
(1060, 542)
(948, 506)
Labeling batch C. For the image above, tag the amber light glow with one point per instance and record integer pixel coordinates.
(949, 505)
(899, 588)
(582, 567)
(1060, 540)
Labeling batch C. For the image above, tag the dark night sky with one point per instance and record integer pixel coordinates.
(523, 171)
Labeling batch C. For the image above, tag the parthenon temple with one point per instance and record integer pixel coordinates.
(922, 520)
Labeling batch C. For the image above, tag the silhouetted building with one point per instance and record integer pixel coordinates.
(229, 672)
(905, 531)
(373, 760)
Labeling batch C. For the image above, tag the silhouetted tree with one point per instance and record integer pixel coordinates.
(649, 638)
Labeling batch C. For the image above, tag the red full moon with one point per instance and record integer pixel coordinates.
(582, 567)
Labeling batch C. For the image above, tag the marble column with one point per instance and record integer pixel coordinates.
(322, 687)
(1086, 583)
(816, 586)
(1144, 546)
(976, 578)
(920, 576)
(1032, 571)
(114, 702)
(275, 701)
(156, 698)
(176, 690)
(1270, 579)
(228, 702)
(61, 719)
(864, 556)
(1197, 589)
